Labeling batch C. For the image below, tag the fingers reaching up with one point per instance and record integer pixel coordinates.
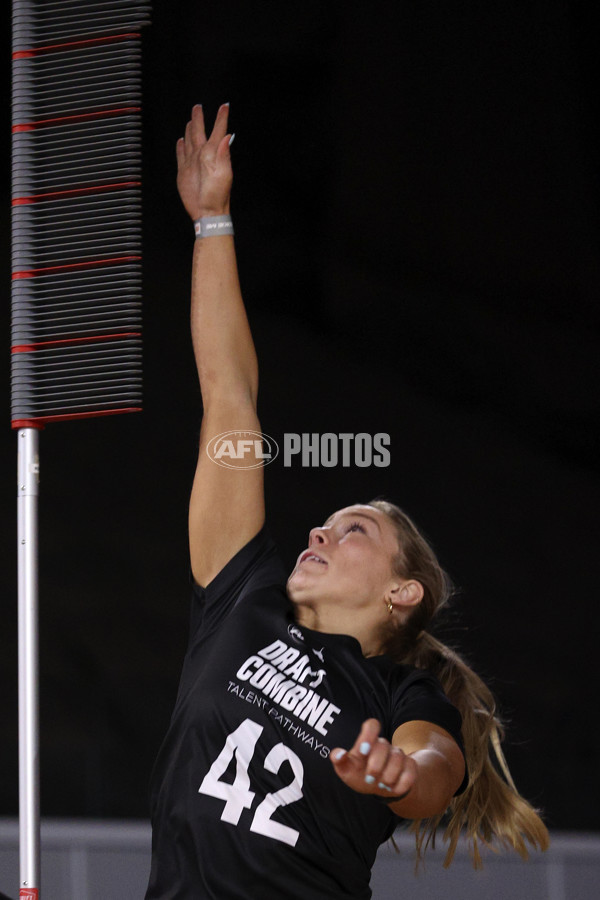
(204, 174)
(195, 133)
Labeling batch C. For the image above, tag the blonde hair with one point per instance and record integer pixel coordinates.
(490, 809)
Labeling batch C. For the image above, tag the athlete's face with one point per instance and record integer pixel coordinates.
(348, 564)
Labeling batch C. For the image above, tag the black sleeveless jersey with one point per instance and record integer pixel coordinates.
(245, 801)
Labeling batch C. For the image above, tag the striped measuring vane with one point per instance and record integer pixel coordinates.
(76, 209)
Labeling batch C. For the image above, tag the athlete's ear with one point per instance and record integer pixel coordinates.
(406, 594)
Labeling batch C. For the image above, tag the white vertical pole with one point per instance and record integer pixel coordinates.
(29, 766)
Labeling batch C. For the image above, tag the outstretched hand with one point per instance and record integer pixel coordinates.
(374, 766)
(204, 174)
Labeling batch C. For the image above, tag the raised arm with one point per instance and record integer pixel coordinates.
(227, 504)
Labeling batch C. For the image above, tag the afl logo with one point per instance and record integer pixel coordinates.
(295, 633)
(242, 449)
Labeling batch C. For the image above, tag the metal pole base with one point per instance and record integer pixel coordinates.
(29, 770)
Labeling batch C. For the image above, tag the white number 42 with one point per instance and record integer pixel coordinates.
(238, 796)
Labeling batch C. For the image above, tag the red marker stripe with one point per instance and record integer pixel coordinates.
(33, 273)
(80, 117)
(98, 338)
(75, 192)
(88, 42)
(28, 423)
(40, 421)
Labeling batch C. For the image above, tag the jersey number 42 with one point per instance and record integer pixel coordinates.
(238, 796)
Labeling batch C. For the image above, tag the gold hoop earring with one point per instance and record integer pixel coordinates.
(390, 607)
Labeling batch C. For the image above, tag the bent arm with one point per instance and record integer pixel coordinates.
(440, 769)
(423, 767)
(227, 503)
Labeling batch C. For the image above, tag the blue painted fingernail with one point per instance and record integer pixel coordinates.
(370, 779)
(339, 755)
(365, 748)
(231, 139)
(384, 787)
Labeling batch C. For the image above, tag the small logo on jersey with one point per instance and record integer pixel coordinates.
(295, 634)
(242, 449)
(319, 653)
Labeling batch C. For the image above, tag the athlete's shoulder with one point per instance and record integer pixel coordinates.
(259, 557)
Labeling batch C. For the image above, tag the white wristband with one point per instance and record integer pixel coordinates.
(210, 226)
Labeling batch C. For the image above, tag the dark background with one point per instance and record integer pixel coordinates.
(416, 219)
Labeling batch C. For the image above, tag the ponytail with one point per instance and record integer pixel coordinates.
(490, 808)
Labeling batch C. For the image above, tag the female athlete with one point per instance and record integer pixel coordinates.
(315, 710)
